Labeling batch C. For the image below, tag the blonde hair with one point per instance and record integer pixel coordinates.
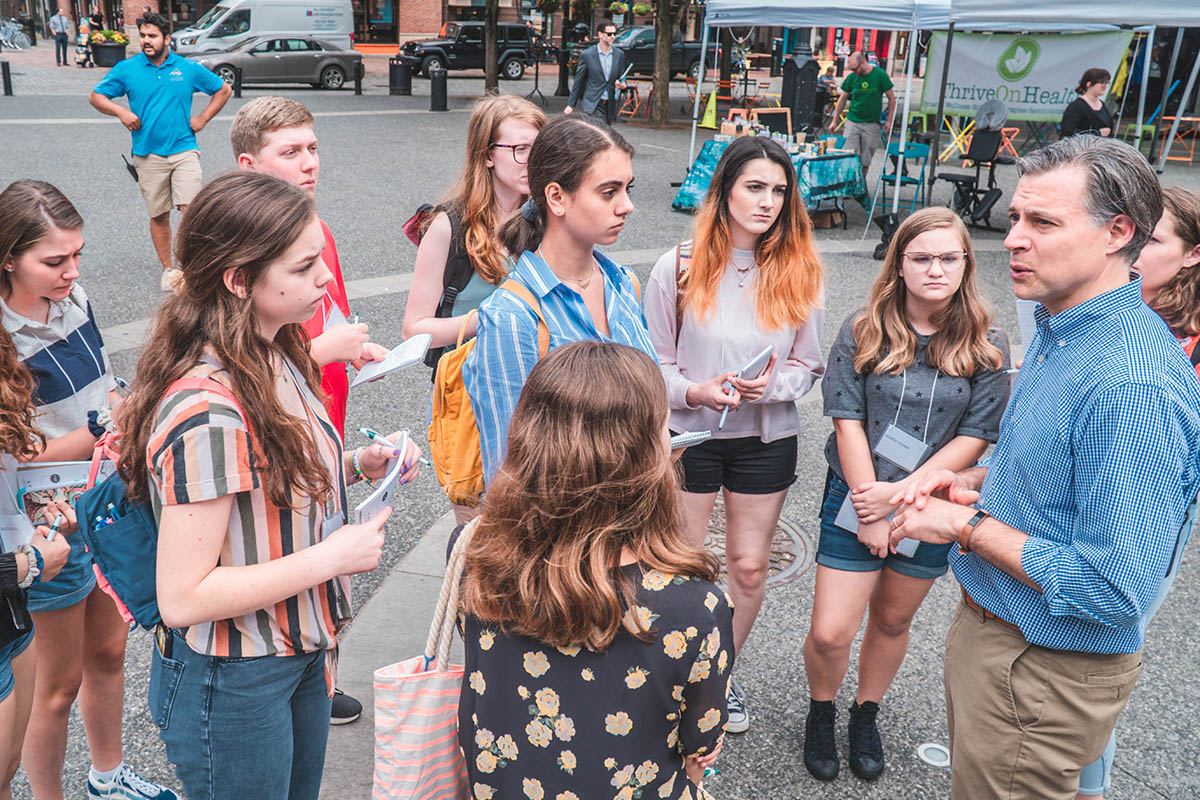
(473, 195)
(261, 116)
(586, 476)
(790, 272)
(1178, 301)
(882, 338)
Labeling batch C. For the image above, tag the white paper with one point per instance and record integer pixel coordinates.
(15, 528)
(410, 351)
(847, 519)
(336, 317)
(688, 439)
(382, 496)
(39, 475)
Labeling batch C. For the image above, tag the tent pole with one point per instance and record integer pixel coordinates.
(1125, 93)
(1148, 49)
(691, 154)
(912, 46)
(937, 129)
(1187, 93)
(1166, 88)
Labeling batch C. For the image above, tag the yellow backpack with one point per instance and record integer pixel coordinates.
(453, 433)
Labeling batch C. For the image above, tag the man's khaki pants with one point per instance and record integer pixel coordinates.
(863, 138)
(1025, 719)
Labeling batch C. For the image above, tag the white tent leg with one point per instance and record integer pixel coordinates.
(1191, 84)
(912, 47)
(696, 103)
(1148, 49)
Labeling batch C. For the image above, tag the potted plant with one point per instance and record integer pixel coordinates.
(108, 47)
(642, 9)
(618, 10)
(548, 6)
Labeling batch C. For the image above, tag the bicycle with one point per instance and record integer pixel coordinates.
(12, 36)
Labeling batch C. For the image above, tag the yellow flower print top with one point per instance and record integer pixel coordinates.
(540, 721)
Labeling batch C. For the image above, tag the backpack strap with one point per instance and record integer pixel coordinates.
(543, 332)
(683, 262)
(459, 268)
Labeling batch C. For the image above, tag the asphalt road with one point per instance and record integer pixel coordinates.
(381, 158)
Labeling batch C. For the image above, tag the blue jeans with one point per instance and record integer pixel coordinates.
(242, 727)
(60, 48)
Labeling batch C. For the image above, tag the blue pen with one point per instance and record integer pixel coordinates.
(725, 411)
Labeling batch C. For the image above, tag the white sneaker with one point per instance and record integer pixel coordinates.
(170, 279)
(739, 716)
(128, 785)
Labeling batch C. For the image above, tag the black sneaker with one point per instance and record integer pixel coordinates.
(345, 709)
(866, 748)
(820, 749)
(735, 702)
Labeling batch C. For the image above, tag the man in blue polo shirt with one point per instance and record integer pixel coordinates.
(1068, 537)
(160, 85)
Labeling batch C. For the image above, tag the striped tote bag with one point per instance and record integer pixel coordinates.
(417, 756)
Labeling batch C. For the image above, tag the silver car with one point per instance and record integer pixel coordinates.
(292, 59)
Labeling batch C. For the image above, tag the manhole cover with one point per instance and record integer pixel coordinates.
(791, 548)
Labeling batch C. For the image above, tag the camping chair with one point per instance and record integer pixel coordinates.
(690, 83)
(914, 153)
(769, 98)
(972, 201)
(958, 138)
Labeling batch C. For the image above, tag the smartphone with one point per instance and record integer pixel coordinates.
(753, 368)
(689, 439)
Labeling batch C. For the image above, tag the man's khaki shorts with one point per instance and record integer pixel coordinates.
(168, 181)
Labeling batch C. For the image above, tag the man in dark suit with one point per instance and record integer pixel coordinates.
(598, 76)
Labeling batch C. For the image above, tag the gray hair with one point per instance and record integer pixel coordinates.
(1119, 181)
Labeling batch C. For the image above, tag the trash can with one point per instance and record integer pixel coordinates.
(399, 76)
(437, 89)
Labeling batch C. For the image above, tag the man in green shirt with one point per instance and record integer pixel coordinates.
(865, 86)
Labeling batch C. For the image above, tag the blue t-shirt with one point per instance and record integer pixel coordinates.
(161, 96)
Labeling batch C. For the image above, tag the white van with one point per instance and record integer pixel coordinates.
(231, 21)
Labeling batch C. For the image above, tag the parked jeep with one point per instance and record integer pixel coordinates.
(462, 48)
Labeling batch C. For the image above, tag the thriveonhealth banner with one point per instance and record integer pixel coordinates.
(1034, 75)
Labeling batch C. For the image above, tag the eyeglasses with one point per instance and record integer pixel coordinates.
(520, 152)
(608, 33)
(951, 260)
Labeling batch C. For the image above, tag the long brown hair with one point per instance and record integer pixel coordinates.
(1178, 301)
(562, 153)
(586, 475)
(473, 194)
(883, 340)
(18, 436)
(789, 276)
(241, 221)
(28, 211)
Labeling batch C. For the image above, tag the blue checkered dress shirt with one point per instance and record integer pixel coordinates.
(506, 349)
(1097, 461)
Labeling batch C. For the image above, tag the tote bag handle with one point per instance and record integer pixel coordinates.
(441, 629)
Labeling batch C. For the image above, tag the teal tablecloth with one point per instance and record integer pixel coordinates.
(819, 177)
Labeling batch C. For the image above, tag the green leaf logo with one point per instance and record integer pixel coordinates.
(1018, 59)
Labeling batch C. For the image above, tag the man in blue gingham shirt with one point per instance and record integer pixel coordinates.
(507, 346)
(1081, 504)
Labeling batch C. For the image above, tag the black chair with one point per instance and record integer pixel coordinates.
(972, 201)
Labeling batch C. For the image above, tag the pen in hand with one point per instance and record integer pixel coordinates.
(380, 439)
(58, 520)
(728, 393)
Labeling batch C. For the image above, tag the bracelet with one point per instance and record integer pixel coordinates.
(33, 572)
(964, 535)
(41, 564)
(358, 473)
(94, 426)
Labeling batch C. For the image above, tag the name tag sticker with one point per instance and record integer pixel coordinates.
(900, 448)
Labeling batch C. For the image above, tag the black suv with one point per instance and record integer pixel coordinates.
(462, 48)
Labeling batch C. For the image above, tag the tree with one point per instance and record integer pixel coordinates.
(491, 30)
(668, 15)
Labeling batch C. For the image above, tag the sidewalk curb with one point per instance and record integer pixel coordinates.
(391, 627)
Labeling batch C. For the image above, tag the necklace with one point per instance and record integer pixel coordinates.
(582, 283)
(743, 273)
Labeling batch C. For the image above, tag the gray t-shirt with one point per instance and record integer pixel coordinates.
(956, 407)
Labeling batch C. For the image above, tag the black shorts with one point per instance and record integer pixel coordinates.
(746, 466)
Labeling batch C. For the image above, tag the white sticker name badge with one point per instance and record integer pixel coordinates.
(899, 447)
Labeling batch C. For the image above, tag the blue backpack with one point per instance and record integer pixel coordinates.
(122, 535)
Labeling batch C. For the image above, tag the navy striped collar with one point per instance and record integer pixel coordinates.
(14, 322)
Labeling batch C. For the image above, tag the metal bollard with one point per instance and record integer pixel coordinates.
(437, 90)
(399, 77)
(6, 77)
(358, 77)
(237, 81)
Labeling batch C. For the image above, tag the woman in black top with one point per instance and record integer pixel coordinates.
(1088, 113)
(598, 649)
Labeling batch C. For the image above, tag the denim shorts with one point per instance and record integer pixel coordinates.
(242, 727)
(745, 466)
(7, 653)
(70, 586)
(841, 549)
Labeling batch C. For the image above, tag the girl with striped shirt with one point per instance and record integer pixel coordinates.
(246, 475)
